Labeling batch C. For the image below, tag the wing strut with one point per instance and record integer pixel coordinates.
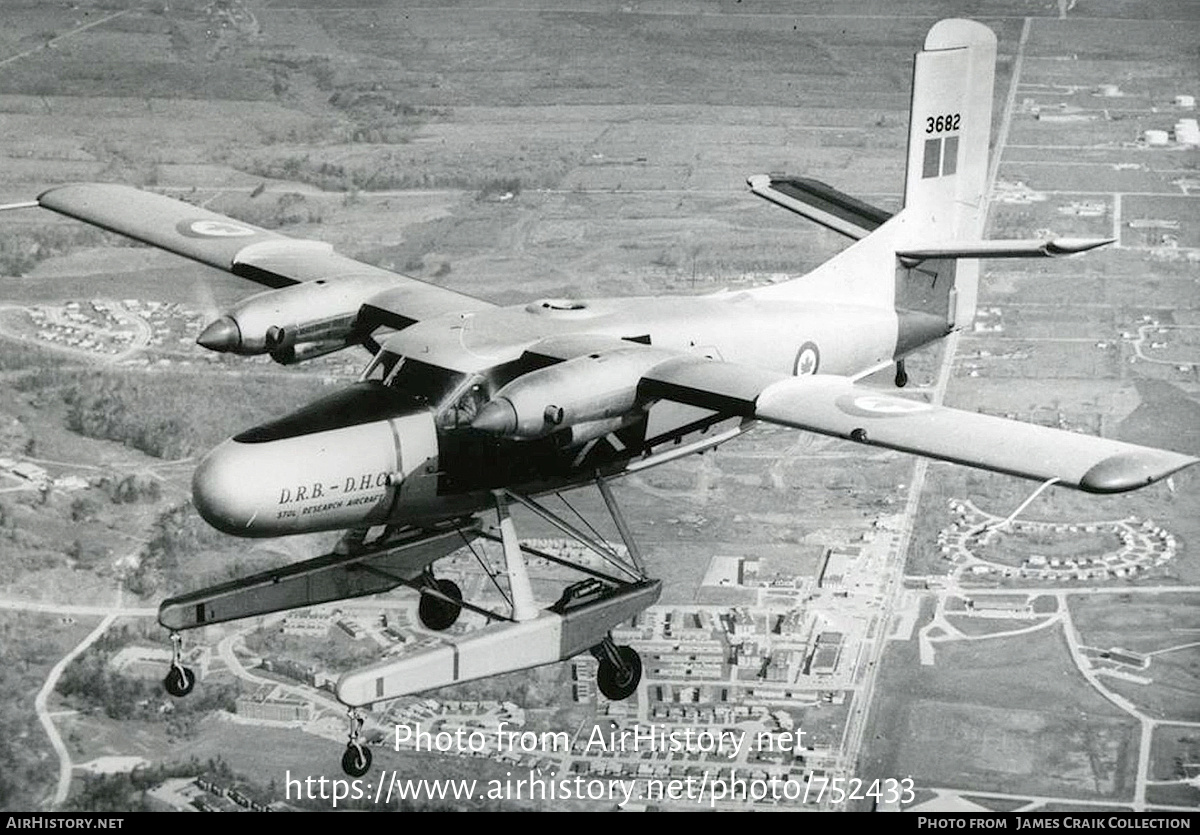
(614, 510)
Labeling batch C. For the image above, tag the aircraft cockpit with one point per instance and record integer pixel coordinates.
(454, 397)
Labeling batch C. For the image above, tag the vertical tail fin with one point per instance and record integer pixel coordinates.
(945, 187)
(947, 173)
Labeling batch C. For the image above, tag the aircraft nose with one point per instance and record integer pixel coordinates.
(340, 462)
(219, 487)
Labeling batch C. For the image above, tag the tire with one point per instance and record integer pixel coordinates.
(354, 764)
(438, 614)
(179, 681)
(617, 684)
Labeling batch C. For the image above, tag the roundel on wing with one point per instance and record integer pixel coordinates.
(880, 405)
(808, 360)
(207, 228)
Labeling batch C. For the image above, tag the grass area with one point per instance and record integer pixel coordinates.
(1177, 795)
(1141, 622)
(1015, 548)
(336, 652)
(1172, 695)
(1174, 753)
(996, 804)
(990, 626)
(1010, 715)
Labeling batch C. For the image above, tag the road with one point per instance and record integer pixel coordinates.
(50, 43)
(858, 720)
(76, 609)
(65, 765)
(109, 614)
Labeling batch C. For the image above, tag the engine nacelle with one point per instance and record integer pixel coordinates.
(593, 389)
(293, 354)
(278, 322)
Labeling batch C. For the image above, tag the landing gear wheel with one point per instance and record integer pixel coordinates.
(617, 683)
(901, 375)
(356, 761)
(179, 681)
(440, 614)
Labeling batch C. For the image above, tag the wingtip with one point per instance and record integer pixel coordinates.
(955, 33)
(1073, 246)
(1130, 470)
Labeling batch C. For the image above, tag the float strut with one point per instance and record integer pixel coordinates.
(524, 607)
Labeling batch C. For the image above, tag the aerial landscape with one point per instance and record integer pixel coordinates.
(864, 628)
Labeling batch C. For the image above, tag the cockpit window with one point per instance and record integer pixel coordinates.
(428, 383)
(455, 398)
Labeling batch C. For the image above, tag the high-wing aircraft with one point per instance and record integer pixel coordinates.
(467, 407)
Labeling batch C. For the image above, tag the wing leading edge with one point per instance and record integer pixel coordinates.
(839, 407)
(248, 251)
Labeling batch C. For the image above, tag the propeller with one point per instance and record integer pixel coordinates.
(220, 332)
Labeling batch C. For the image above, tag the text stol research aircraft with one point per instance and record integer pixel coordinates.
(467, 407)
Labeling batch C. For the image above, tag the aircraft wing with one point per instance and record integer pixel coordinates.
(837, 406)
(248, 251)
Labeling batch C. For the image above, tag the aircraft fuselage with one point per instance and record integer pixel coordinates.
(397, 447)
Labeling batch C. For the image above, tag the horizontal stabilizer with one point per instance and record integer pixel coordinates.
(839, 407)
(820, 203)
(1031, 248)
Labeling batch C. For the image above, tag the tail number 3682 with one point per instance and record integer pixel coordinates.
(940, 124)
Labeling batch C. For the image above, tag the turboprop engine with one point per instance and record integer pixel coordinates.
(294, 323)
(595, 393)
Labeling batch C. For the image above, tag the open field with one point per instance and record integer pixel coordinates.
(1145, 623)
(956, 724)
(1175, 751)
(1164, 626)
(975, 626)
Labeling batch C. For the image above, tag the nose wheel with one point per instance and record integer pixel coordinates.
(180, 680)
(620, 670)
(356, 760)
(440, 605)
(901, 375)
